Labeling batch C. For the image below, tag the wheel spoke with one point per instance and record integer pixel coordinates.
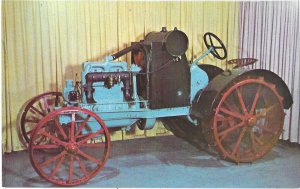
(57, 166)
(88, 157)
(224, 133)
(257, 139)
(53, 138)
(257, 95)
(222, 119)
(60, 128)
(71, 169)
(265, 111)
(215, 51)
(82, 136)
(81, 166)
(56, 100)
(45, 146)
(46, 104)
(231, 107)
(253, 143)
(37, 111)
(41, 140)
(211, 43)
(32, 129)
(237, 145)
(242, 103)
(231, 113)
(265, 128)
(34, 120)
(97, 145)
(72, 131)
(41, 107)
(83, 125)
(49, 161)
(101, 131)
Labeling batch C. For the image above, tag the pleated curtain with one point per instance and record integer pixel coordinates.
(45, 42)
(269, 31)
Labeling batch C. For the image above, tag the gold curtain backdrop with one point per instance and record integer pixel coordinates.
(45, 42)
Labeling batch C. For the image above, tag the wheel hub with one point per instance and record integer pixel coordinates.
(71, 148)
(251, 121)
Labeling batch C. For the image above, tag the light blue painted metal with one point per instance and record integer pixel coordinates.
(135, 69)
(147, 124)
(128, 116)
(199, 80)
(203, 55)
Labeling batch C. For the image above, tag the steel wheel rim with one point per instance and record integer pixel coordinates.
(29, 121)
(241, 132)
(77, 156)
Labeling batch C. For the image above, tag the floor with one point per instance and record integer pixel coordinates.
(170, 162)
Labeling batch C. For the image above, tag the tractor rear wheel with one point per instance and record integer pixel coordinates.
(247, 121)
(182, 128)
(36, 109)
(75, 152)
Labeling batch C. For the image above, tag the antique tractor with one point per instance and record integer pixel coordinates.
(239, 112)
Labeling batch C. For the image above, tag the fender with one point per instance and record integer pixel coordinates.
(211, 70)
(206, 100)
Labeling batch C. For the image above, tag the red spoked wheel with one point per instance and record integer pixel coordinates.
(248, 120)
(75, 152)
(37, 109)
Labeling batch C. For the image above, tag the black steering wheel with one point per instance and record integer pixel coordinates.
(219, 51)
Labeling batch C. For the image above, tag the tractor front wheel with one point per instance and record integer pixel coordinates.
(75, 152)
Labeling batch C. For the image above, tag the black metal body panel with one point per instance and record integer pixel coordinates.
(207, 100)
(169, 80)
(164, 81)
(211, 70)
(165, 76)
(281, 86)
(143, 76)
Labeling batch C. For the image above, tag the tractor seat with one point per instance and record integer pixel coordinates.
(240, 62)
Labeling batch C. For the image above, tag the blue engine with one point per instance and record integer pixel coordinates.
(109, 88)
(158, 83)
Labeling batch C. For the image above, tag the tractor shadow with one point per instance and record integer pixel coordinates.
(171, 150)
(17, 171)
(105, 174)
(167, 150)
